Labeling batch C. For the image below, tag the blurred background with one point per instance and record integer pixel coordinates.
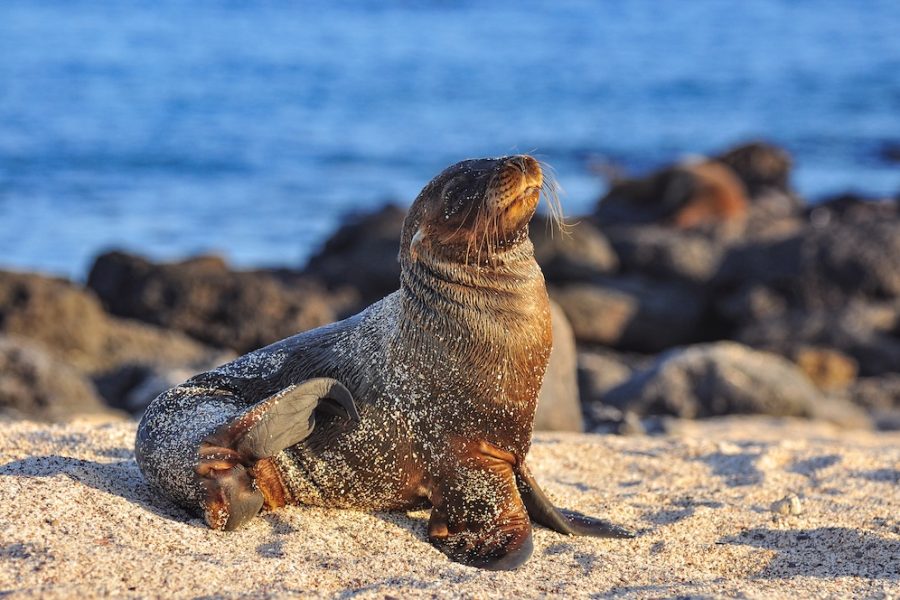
(184, 182)
(172, 128)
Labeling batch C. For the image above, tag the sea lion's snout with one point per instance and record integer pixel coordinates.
(516, 193)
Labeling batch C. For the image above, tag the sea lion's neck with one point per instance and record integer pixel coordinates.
(505, 285)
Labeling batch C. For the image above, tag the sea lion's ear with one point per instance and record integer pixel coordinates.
(415, 243)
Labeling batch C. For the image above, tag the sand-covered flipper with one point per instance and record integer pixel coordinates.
(542, 511)
(234, 467)
(477, 517)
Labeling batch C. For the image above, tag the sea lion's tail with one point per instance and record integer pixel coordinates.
(542, 511)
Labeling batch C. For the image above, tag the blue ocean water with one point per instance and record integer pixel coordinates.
(251, 128)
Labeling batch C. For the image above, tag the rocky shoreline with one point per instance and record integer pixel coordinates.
(705, 289)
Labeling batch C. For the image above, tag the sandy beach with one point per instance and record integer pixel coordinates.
(77, 520)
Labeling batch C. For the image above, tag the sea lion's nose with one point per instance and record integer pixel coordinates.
(519, 161)
(528, 166)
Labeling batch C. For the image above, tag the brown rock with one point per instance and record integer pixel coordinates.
(559, 408)
(53, 312)
(35, 385)
(68, 322)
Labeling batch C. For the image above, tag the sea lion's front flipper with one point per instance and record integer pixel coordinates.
(234, 470)
(478, 518)
(561, 520)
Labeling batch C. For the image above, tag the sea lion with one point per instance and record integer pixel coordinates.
(425, 398)
(686, 196)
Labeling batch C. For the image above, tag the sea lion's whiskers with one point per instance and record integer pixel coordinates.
(550, 191)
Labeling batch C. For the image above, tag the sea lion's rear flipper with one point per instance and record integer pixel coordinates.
(561, 520)
(234, 464)
(478, 518)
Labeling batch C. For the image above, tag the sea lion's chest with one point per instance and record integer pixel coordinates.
(471, 373)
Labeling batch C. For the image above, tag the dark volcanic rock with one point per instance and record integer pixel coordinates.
(867, 332)
(851, 208)
(363, 254)
(35, 385)
(726, 378)
(634, 313)
(877, 392)
(599, 372)
(68, 321)
(821, 266)
(580, 252)
(667, 253)
(206, 300)
(834, 286)
(559, 408)
(132, 386)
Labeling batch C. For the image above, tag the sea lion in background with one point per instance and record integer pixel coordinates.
(692, 194)
(425, 398)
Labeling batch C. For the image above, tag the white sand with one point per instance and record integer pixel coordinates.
(76, 520)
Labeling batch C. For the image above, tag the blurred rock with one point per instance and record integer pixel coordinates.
(68, 322)
(877, 393)
(867, 332)
(59, 315)
(761, 166)
(821, 266)
(579, 252)
(132, 386)
(363, 254)
(726, 378)
(828, 369)
(705, 193)
(204, 299)
(665, 253)
(35, 385)
(633, 313)
(559, 408)
(852, 208)
(599, 372)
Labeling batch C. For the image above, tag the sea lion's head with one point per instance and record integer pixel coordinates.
(475, 211)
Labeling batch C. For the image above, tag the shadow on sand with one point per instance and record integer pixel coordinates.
(824, 552)
(121, 478)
